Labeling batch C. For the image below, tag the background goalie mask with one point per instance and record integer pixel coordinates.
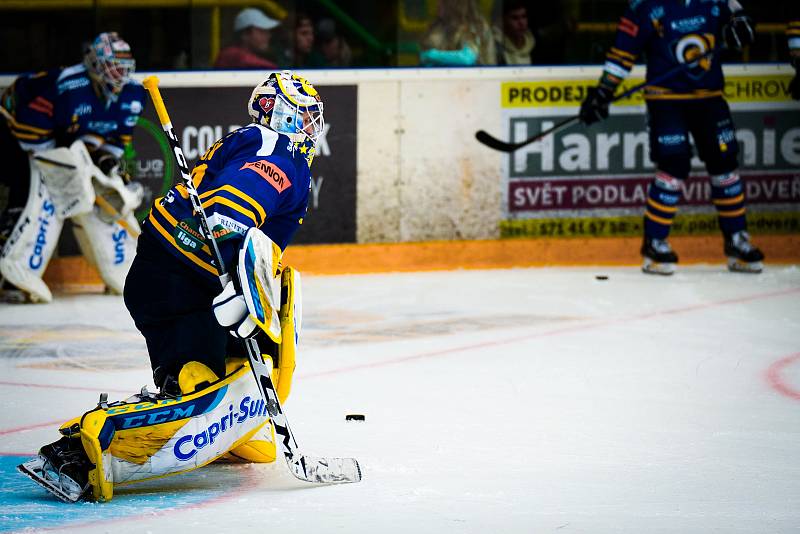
(289, 104)
(110, 64)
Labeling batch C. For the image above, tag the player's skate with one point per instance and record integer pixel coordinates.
(659, 257)
(743, 257)
(62, 468)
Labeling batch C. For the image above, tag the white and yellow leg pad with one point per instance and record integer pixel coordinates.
(144, 437)
(32, 242)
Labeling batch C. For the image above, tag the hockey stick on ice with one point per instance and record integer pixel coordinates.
(304, 467)
(487, 139)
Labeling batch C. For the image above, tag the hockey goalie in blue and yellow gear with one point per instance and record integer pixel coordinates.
(254, 186)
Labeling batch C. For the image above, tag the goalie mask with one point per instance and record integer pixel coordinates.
(110, 64)
(289, 104)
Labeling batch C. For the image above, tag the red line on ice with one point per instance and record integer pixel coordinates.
(31, 427)
(56, 386)
(557, 331)
(775, 376)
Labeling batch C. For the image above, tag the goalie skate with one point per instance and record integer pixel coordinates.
(62, 486)
(61, 468)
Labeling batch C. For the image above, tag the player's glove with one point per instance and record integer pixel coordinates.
(231, 312)
(105, 161)
(739, 32)
(108, 162)
(595, 106)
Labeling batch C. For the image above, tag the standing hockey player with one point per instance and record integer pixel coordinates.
(673, 32)
(253, 185)
(62, 134)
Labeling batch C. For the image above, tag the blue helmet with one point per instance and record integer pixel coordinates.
(289, 104)
(109, 63)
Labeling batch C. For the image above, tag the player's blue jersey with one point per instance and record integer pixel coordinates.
(249, 178)
(56, 107)
(672, 32)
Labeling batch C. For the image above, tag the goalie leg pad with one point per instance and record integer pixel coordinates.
(147, 437)
(291, 318)
(110, 247)
(32, 242)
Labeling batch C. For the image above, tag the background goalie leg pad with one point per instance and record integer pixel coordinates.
(107, 245)
(32, 242)
(147, 436)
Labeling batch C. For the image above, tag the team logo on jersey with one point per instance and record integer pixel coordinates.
(689, 50)
(269, 172)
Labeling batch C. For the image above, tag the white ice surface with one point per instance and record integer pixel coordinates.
(524, 400)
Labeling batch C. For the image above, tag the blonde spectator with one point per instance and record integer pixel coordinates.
(459, 36)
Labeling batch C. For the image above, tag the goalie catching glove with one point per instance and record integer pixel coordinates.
(257, 303)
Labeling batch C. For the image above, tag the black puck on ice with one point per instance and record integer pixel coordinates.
(354, 417)
(601, 277)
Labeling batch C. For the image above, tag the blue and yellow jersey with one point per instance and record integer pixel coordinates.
(250, 178)
(56, 107)
(671, 32)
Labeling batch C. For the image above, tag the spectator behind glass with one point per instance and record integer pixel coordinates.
(331, 50)
(253, 33)
(459, 36)
(513, 38)
(296, 43)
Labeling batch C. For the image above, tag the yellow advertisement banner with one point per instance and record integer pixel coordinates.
(570, 93)
(632, 225)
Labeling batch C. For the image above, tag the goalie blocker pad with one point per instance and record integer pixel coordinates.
(67, 174)
(147, 437)
(273, 296)
(259, 270)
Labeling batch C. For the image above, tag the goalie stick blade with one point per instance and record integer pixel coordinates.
(484, 138)
(325, 470)
(64, 490)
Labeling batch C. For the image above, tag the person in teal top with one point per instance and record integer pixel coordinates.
(460, 36)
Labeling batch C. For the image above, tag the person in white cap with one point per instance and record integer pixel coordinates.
(253, 32)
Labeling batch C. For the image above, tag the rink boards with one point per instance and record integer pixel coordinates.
(399, 168)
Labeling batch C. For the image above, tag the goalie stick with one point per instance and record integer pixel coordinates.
(487, 139)
(302, 466)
